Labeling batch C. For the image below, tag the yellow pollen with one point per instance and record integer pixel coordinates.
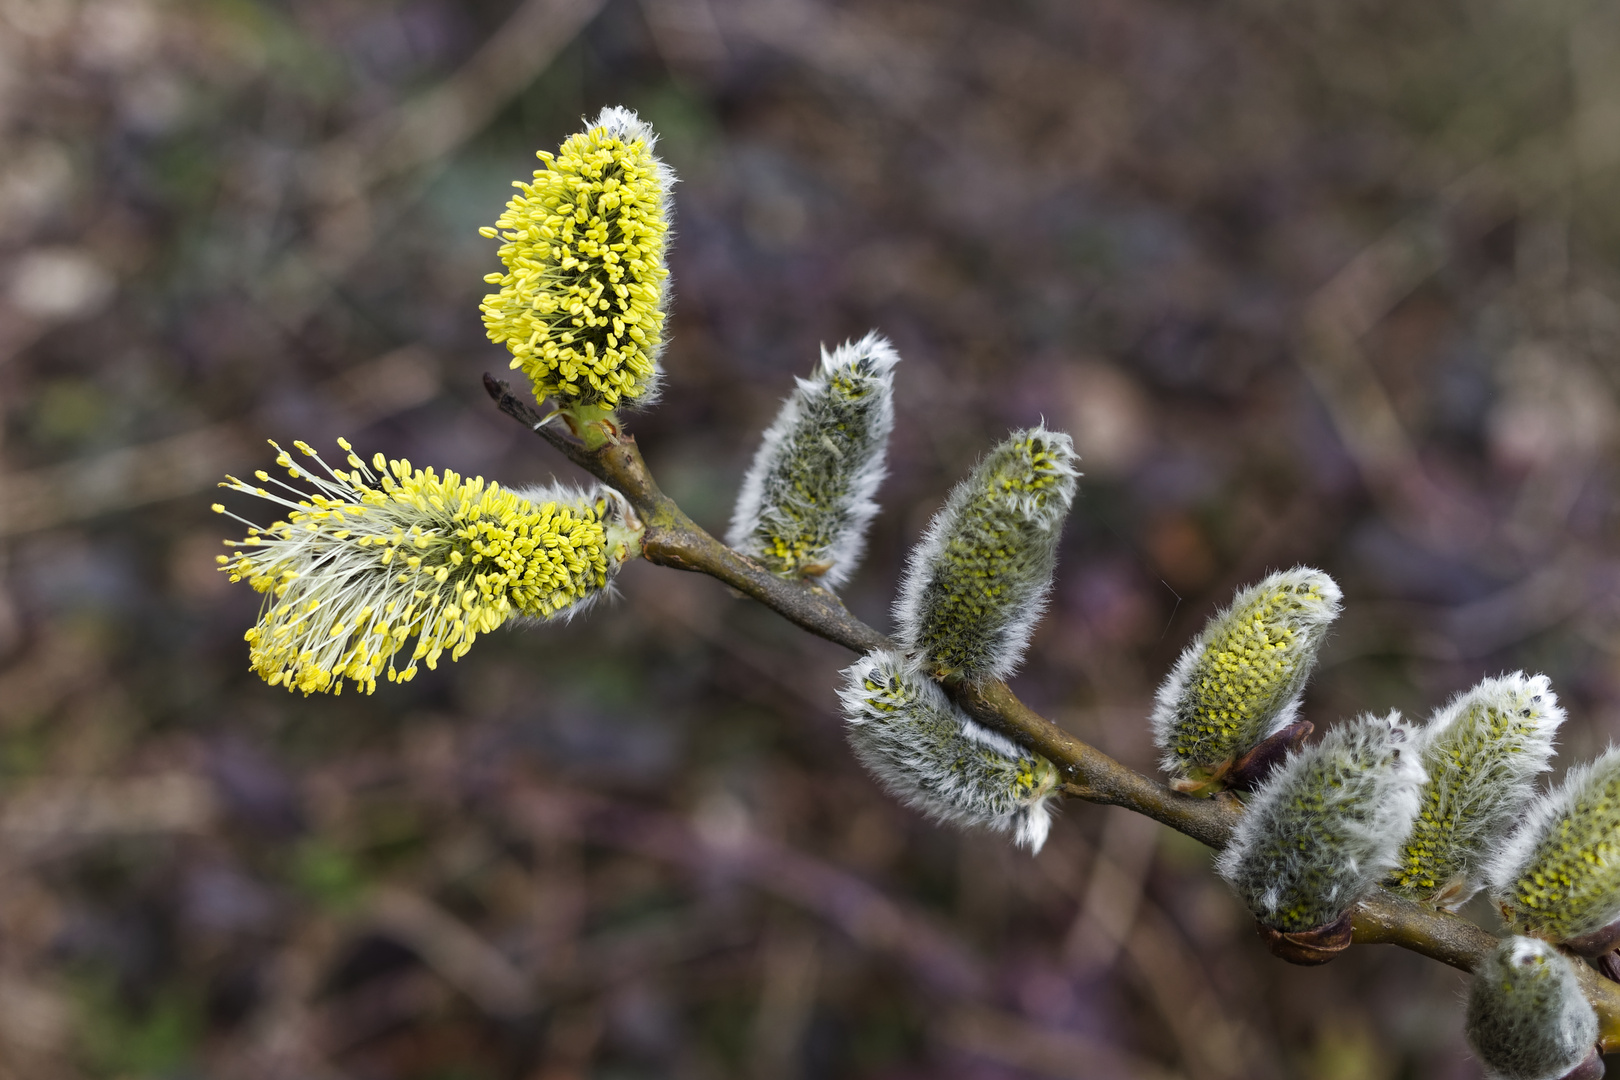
(333, 586)
(583, 247)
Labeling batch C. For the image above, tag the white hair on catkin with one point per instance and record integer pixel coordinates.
(807, 499)
(934, 758)
(977, 582)
(1241, 679)
(1527, 1018)
(1326, 826)
(1557, 876)
(1483, 752)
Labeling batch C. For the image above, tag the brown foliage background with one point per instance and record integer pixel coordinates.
(1317, 282)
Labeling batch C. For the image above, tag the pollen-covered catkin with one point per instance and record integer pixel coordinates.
(1326, 826)
(1558, 875)
(1242, 677)
(933, 757)
(581, 303)
(976, 584)
(1482, 752)
(367, 560)
(1527, 1018)
(807, 499)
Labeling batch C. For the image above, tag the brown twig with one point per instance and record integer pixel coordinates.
(674, 540)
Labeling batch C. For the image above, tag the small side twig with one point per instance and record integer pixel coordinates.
(675, 540)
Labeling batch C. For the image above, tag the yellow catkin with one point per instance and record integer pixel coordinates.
(1483, 753)
(368, 560)
(581, 302)
(976, 583)
(1242, 677)
(1558, 876)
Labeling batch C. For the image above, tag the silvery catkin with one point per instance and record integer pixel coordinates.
(976, 584)
(806, 501)
(1241, 678)
(1483, 752)
(933, 757)
(1326, 826)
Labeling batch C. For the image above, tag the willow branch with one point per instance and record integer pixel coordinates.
(675, 540)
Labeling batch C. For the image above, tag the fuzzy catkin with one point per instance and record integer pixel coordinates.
(581, 302)
(934, 758)
(1326, 826)
(1242, 677)
(976, 584)
(1483, 752)
(1558, 875)
(806, 501)
(372, 556)
(1527, 1018)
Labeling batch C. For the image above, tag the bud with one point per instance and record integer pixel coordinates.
(976, 583)
(934, 758)
(1326, 826)
(1482, 752)
(368, 560)
(807, 499)
(581, 304)
(1527, 1018)
(1240, 681)
(1558, 876)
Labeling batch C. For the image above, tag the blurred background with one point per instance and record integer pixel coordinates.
(1314, 282)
